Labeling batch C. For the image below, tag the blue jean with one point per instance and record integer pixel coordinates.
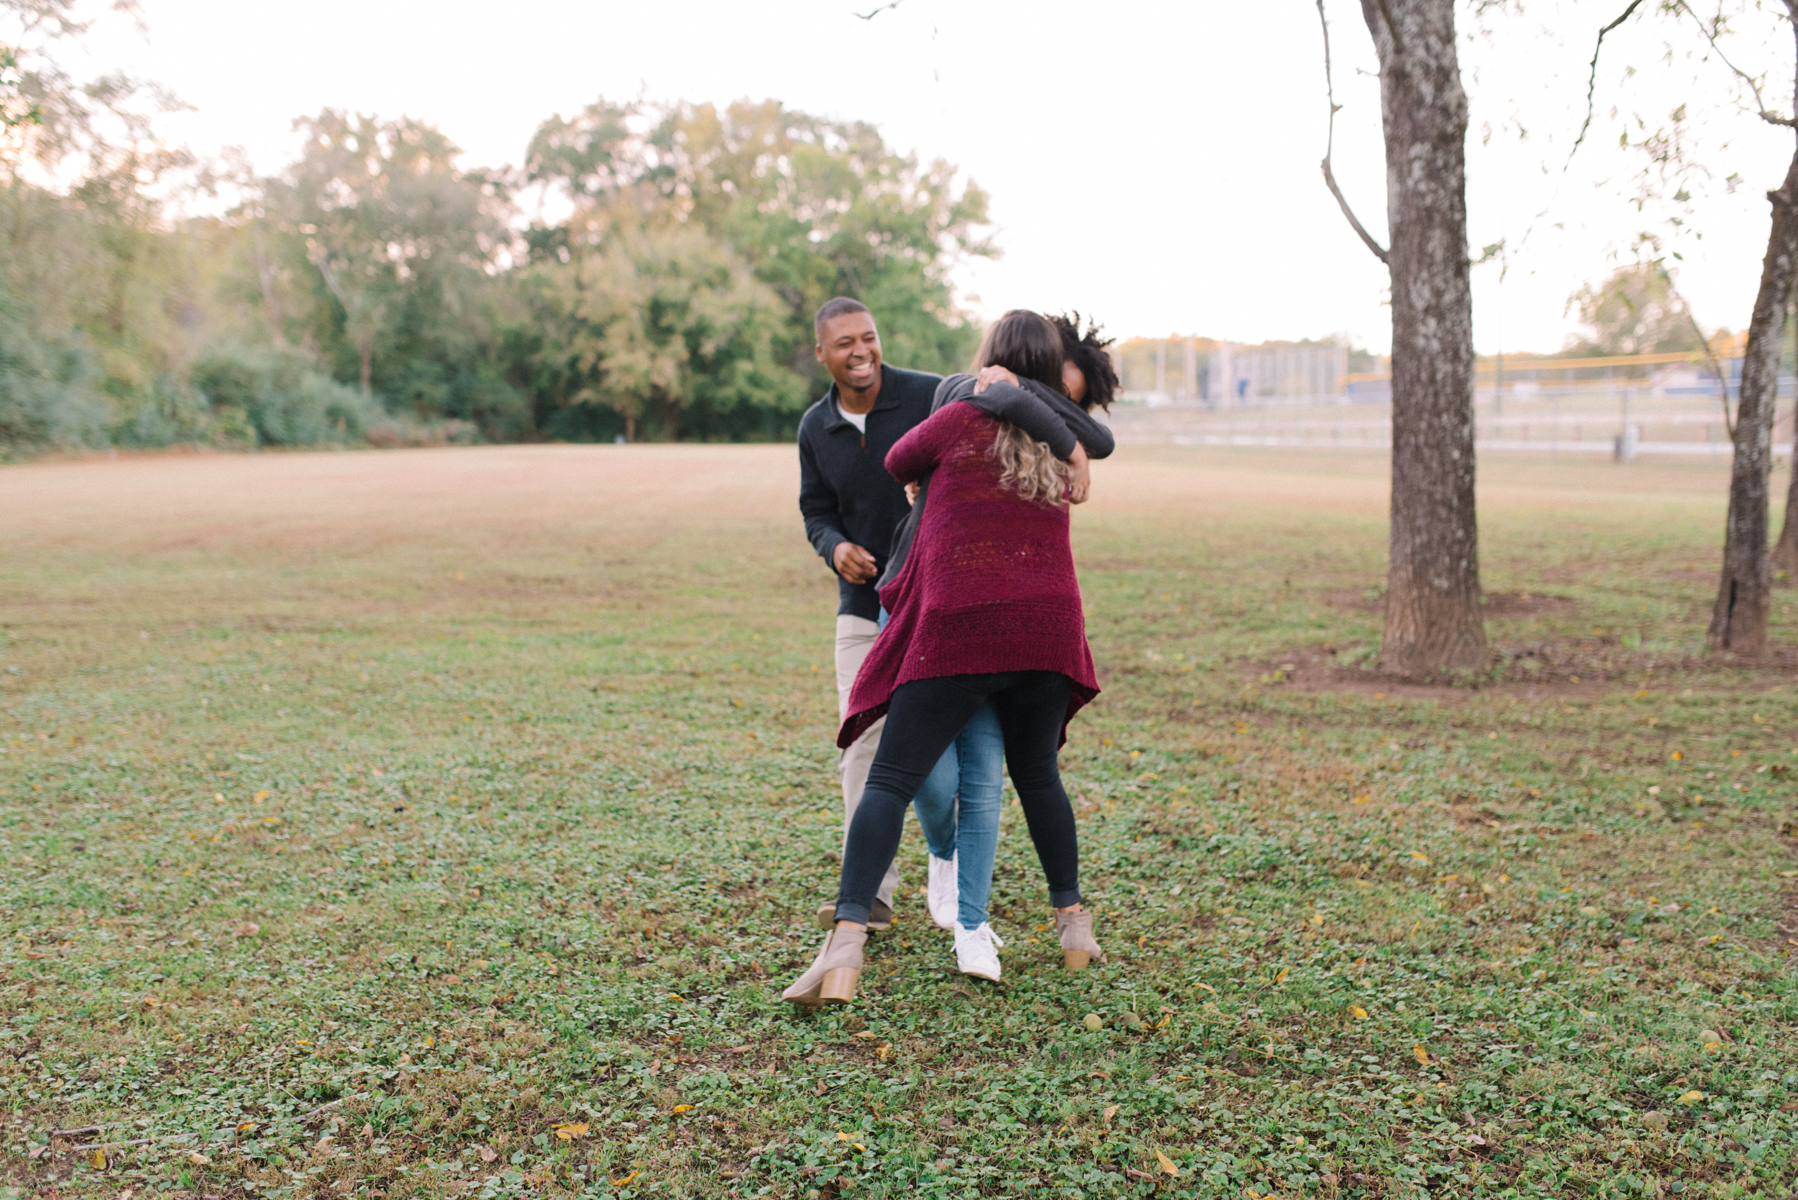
(958, 808)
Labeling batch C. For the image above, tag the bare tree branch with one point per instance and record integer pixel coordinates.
(1716, 367)
(1592, 79)
(1710, 35)
(869, 16)
(1330, 147)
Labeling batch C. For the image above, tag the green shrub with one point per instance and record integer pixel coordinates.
(283, 396)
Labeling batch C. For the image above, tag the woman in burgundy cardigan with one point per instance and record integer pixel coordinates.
(987, 606)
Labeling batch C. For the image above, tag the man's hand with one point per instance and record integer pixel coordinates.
(853, 563)
(1081, 484)
(911, 493)
(990, 375)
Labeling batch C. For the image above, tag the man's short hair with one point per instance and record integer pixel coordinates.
(834, 308)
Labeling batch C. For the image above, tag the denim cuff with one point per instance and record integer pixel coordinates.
(849, 910)
(1058, 898)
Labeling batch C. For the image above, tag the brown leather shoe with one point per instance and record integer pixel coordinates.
(880, 916)
(1078, 948)
(831, 977)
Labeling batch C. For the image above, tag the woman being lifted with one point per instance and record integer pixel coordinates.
(987, 607)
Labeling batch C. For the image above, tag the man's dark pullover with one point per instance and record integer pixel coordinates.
(845, 493)
(1042, 412)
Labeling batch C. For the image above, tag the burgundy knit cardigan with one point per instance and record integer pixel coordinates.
(989, 585)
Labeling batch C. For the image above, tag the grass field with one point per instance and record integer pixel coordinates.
(444, 823)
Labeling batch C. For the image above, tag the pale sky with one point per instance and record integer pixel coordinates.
(1155, 165)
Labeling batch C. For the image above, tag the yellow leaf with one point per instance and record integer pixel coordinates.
(1421, 1055)
(631, 1178)
(681, 1108)
(1692, 1097)
(569, 1132)
(841, 1136)
(1360, 799)
(1281, 977)
(198, 1159)
(1357, 1012)
(1167, 1164)
(1677, 755)
(885, 1049)
(100, 1159)
(859, 1146)
(261, 796)
(246, 1127)
(866, 1033)
(1421, 857)
(1208, 988)
(1111, 1110)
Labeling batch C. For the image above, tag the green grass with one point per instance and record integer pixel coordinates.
(439, 801)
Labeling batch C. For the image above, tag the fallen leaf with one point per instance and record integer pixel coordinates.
(569, 1132)
(681, 1108)
(100, 1159)
(1208, 988)
(452, 980)
(246, 929)
(1421, 857)
(198, 1159)
(884, 1049)
(1167, 1164)
(743, 1049)
(1421, 1055)
(260, 797)
(1281, 977)
(631, 1178)
(1692, 1097)
(1357, 1012)
(246, 1127)
(488, 1155)
(35, 954)
(867, 1033)
(1111, 1110)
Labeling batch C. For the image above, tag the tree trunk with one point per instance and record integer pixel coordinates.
(1739, 620)
(1433, 619)
(1785, 554)
(365, 352)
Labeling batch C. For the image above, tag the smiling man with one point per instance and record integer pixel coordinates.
(852, 506)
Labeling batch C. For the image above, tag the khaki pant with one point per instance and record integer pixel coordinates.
(855, 637)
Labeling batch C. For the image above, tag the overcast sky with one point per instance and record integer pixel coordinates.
(1153, 164)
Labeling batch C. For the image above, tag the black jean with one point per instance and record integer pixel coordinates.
(924, 717)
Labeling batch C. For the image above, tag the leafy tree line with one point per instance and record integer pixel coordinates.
(377, 289)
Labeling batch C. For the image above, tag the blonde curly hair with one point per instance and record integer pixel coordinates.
(1029, 468)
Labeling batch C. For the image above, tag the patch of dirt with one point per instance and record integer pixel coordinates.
(1496, 604)
(1584, 667)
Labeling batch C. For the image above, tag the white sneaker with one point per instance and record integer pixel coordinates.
(942, 896)
(977, 952)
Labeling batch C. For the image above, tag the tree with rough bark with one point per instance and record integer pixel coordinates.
(1744, 589)
(1433, 617)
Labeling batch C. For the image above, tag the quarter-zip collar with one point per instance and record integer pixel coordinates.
(885, 402)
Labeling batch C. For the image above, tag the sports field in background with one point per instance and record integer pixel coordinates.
(444, 823)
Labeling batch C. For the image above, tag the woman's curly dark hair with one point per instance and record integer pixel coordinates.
(1086, 350)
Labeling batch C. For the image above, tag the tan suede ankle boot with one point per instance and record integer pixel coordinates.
(831, 977)
(1077, 945)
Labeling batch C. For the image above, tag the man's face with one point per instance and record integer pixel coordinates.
(849, 348)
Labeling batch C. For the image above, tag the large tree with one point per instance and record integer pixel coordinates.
(817, 208)
(1433, 617)
(389, 220)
